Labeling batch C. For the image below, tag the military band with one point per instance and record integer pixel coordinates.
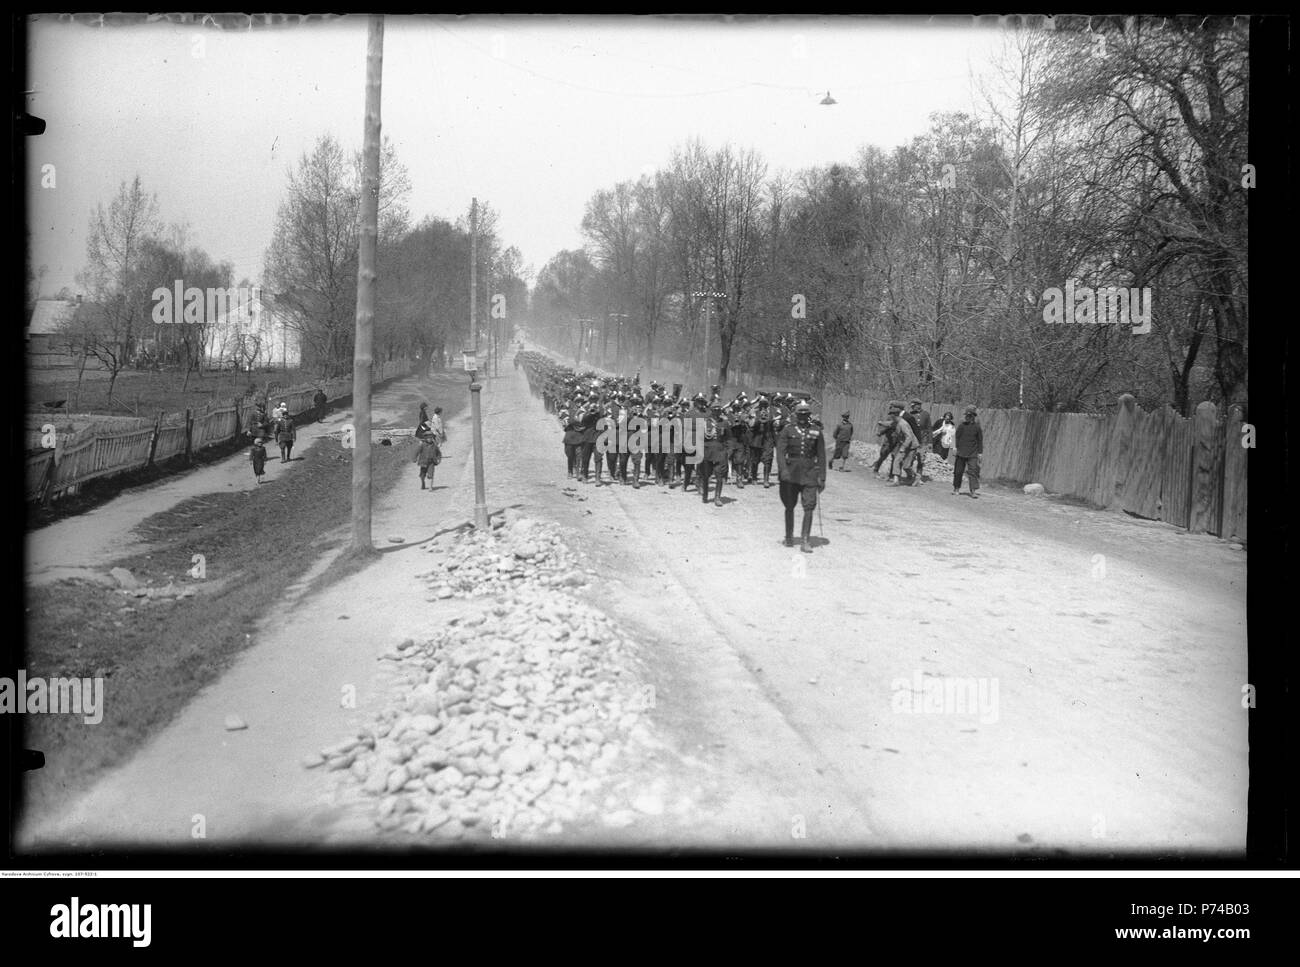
(700, 441)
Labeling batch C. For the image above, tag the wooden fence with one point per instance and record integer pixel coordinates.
(1160, 466)
(98, 451)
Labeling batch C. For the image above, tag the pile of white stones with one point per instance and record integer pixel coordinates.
(522, 554)
(935, 466)
(512, 716)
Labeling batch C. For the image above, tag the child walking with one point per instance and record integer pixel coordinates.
(428, 456)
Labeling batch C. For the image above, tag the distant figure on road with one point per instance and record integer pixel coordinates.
(428, 456)
(970, 446)
(843, 436)
(284, 436)
(257, 456)
(801, 470)
(318, 404)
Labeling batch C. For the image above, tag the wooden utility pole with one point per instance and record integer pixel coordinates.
(473, 275)
(366, 285)
(475, 387)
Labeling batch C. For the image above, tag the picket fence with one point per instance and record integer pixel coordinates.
(102, 450)
(1159, 465)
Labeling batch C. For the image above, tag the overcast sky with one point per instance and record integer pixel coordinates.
(531, 114)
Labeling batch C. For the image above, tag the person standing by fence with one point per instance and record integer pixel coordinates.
(945, 437)
(970, 446)
(259, 425)
(318, 404)
(843, 437)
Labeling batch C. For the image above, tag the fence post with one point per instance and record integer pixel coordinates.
(1204, 465)
(239, 418)
(153, 443)
(1120, 452)
(189, 436)
(47, 481)
(1234, 477)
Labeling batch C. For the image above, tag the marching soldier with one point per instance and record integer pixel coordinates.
(572, 441)
(613, 413)
(587, 420)
(762, 439)
(738, 441)
(801, 470)
(714, 463)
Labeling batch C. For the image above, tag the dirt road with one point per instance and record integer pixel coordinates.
(1109, 656)
(816, 701)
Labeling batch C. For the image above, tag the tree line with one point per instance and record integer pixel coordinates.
(1108, 153)
(309, 278)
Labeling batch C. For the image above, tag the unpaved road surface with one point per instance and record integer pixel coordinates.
(1012, 673)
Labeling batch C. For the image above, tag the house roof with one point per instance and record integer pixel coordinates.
(262, 304)
(50, 316)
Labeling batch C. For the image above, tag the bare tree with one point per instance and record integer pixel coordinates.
(112, 276)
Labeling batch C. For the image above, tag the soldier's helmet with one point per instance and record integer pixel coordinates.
(803, 408)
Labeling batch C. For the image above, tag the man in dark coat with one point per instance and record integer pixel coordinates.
(970, 446)
(923, 428)
(801, 469)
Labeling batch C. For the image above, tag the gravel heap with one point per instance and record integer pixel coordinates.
(866, 454)
(512, 716)
(521, 554)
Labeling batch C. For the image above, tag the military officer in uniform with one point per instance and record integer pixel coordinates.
(801, 470)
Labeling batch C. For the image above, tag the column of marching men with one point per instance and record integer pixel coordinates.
(736, 441)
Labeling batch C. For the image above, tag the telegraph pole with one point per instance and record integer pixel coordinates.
(618, 345)
(366, 285)
(708, 320)
(471, 364)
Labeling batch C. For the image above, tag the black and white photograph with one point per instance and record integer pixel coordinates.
(455, 436)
